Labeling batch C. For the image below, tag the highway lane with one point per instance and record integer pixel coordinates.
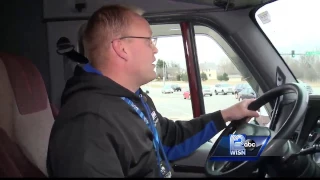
(173, 106)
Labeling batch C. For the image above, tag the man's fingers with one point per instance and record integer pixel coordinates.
(248, 119)
(248, 101)
(253, 113)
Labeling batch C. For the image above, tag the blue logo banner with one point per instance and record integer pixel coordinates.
(240, 147)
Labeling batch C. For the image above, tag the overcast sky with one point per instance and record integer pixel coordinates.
(294, 25)
(171, 49)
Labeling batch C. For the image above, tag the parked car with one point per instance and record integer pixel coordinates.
(223, 88)
(167, 89)
(206, 90)
(186, 94)
(308, 87)
(175, 87)
(240, 87)
(247, 93)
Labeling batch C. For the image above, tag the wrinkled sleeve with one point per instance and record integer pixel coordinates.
(181, 138)
(83, 148)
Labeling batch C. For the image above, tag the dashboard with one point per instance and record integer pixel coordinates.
(309, 132)
(314, 139)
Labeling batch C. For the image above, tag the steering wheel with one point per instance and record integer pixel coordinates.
(277, 139)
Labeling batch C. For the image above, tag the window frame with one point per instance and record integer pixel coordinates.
(187, 25)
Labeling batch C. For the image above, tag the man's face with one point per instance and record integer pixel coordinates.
(141, 51)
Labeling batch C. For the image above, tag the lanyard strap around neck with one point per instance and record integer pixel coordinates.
(150, 123)
(156, 141)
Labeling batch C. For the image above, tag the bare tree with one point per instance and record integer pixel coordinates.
(171, 69)
(227, 66)
(306, 67)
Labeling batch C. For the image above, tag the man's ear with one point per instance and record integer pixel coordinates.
(120, 49)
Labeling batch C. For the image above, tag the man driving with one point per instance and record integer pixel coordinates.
(107, 126)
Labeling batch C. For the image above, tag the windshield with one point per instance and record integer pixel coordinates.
(225, 85)
(299, 81)
(293, 28)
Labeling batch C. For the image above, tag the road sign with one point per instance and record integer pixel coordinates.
(312, 53)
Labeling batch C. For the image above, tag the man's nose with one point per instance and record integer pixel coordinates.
(155, 50)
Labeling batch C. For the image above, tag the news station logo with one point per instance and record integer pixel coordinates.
(239, 147)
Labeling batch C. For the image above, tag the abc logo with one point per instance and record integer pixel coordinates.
(249, 144)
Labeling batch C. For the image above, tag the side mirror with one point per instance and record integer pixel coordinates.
(147, 91)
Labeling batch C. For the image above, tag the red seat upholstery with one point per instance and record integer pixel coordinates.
(26, 117)
(13, 162)
(55, 110)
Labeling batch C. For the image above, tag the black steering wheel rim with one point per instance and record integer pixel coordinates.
(285, 132)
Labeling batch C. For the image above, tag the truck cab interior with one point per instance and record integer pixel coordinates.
(270, 44)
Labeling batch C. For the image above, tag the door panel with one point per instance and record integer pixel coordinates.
(193, 165)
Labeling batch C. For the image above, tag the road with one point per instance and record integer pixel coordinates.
(173, 106)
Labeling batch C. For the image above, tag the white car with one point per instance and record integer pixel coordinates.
(223, 88)
(167, 89)
(206, 90)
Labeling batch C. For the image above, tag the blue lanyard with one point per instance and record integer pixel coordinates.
(149, 122)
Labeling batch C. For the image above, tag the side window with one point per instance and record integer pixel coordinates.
(229, 75)
(170, 90)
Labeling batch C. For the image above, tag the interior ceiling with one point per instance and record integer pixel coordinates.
(226, 4)
(155, 6)
(66, 8)
(174, 29)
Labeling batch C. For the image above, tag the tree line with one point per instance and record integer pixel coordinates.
(305, 67)
(173, 71)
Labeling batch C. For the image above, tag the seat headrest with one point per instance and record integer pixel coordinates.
(28, 119)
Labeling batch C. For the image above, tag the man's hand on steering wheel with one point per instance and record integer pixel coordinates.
(239, 111)
(279, 144)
